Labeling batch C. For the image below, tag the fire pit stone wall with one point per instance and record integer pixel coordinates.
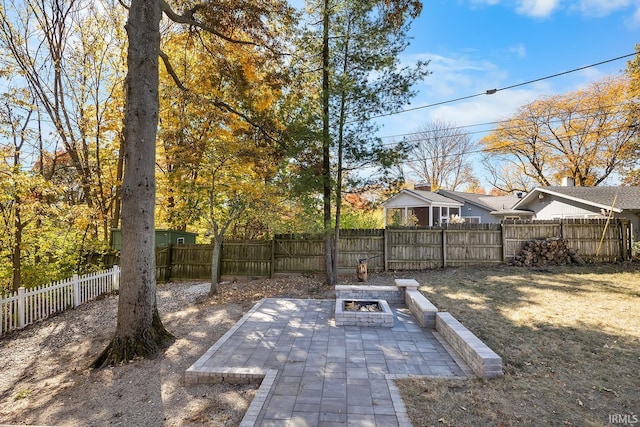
(391, 294)
(344, 317)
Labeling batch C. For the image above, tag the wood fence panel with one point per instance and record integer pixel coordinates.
(467, 246)
(191, 262)
(516, 233)
(249, 258)
(163, 264)
(414, 249)
(298, 253)
(595, 239)
(361, 244)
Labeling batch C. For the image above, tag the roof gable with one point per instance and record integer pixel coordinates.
(621, 198)
(483, 201)
(415, 198)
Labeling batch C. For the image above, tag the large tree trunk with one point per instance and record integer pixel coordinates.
(139, 332)
(326, 145)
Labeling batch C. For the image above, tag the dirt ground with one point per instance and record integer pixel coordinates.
(45, 377)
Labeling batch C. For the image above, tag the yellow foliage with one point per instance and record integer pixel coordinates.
(584, 134)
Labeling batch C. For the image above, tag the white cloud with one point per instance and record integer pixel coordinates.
(602, 7)
(632, 21)
(538, 8)
(520, 50)
(487, 2)
(593, 8)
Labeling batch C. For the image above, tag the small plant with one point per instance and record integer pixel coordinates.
(22, 394)
(635, 250)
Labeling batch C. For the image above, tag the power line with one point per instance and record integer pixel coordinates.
(493, 91)
(502, 149)
(497, 122)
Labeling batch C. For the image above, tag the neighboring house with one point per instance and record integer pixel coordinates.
(483, 209)
(419, 207)
(426, 208)
(584, 202)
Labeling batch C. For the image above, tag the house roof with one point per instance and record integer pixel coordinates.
(626, 198)
(489, 203)
(512, 212)
(425, 197)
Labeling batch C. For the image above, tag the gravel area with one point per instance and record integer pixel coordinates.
(46, 380)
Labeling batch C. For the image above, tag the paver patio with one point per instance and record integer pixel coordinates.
(315, 373)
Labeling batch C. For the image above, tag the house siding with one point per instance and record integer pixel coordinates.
(403, 200)
(552, 207)
(474, 211)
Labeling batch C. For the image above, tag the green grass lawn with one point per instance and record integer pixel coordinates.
(569, 338)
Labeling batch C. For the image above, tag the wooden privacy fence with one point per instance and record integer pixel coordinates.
(397, 248)
(27, 306)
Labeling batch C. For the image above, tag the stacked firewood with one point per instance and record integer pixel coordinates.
(553, 251)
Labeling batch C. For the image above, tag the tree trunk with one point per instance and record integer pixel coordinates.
(139, 331)
(117, 198)
(326, 145)
(16, 257)
(215, 265)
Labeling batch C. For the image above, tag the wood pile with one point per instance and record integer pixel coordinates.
(553, 251)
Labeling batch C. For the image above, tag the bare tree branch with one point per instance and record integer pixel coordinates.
(172, 72)
(188, 19)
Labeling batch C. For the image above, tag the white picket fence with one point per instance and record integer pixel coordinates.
(27, 306)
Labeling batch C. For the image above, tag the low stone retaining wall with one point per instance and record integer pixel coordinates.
(421, 308)
(483, 361)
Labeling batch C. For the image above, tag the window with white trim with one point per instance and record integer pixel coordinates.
(471, 219)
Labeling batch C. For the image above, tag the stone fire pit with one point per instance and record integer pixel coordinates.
(361, 312)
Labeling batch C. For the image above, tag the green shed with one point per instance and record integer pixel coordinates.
(164, 238)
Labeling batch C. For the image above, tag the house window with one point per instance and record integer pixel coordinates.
(471, 219)
(180, 240)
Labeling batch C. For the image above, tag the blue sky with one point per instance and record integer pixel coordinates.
(476, 45)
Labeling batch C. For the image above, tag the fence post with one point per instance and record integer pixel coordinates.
(504, 243)
(115, 278)
(444, 246)
(21, 307)
(272, 267)
(385, 251)
(76, 290)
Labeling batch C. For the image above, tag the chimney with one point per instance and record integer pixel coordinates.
(568, 181)
(422, 186)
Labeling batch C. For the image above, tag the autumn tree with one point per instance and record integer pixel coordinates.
(587, 135)
(631, 172)
(440, 155)
(220, 141)
(16, 188)
(68, 55)
(139, 332)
